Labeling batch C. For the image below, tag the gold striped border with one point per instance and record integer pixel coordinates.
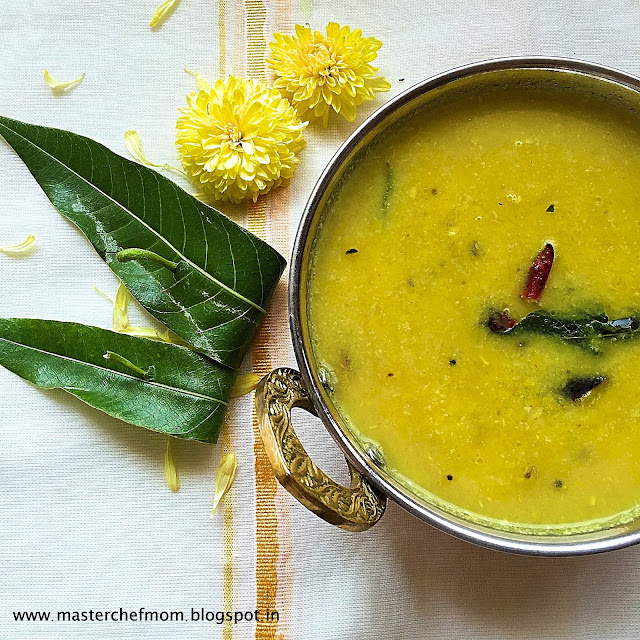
(227, 540)
(228, 548)
(256, 15)
(222, 38)
(267, 546)
(266, 485)
(280, 20)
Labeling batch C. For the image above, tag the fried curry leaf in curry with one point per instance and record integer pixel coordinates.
(586, 330)
(580, 387)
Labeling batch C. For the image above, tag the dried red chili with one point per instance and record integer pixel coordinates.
(538, 274)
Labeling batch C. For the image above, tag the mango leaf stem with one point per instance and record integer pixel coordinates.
(143, 254)
(116, 357)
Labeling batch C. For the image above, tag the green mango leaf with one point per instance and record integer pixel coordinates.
(157, 385)
(203, 276)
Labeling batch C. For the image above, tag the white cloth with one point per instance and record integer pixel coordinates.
(86, 521)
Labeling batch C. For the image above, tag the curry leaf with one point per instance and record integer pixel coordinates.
(586, 330)
(160, 386)
(223, 277)
(580, 387)
(578, 327)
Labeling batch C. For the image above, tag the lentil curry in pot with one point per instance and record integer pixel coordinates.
(473, 302)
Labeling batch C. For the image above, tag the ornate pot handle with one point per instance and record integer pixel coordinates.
(354, 508)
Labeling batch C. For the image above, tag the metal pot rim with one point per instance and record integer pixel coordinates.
(503, 541)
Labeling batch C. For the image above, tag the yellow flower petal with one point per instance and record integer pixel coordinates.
(163, 12)
(170, 471)
(319, 73)
(134, 147)
(202, 83)
(155, 334)
(120, 306)
(243, 384)
(121, 324)
(22, 247)
(56, 85)
(105, 295)
(380, 84)
(226, 475)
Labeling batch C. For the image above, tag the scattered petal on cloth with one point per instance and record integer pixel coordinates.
(226, 475)
(244, 383)
(163, 12)
(60, 87)
(120, 308)
(170, 470)
(22, 247)
(134, 147)
(120, 319)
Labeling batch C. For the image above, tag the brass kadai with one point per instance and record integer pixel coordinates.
(360, 506)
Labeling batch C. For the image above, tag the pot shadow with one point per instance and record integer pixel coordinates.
(506, 595)
(426, 583)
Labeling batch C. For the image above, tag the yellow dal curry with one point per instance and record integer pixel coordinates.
(435, 228)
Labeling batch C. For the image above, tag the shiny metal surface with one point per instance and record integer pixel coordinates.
(354, 508)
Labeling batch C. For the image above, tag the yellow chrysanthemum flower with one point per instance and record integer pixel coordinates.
(238, 138)
(319, 73)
